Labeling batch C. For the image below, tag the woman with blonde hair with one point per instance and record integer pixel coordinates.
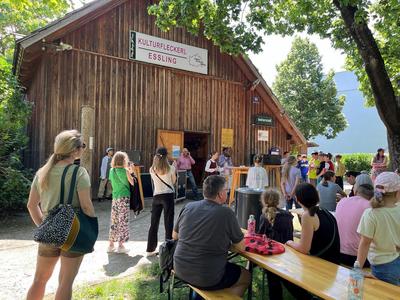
(120, 178)
(164, 177)
(43, 197)
(291, 177)
(379, 229)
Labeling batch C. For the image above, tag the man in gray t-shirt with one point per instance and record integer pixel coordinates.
(205, 231)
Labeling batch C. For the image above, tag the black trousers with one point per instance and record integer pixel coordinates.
(160, 202)
(339, 181)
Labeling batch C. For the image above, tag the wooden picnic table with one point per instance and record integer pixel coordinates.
(320, 277)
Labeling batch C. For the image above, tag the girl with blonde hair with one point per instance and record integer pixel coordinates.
(291, 177)
(277, 224)
(43, 197)
(120, 178)
(380, 230)
(164, 177)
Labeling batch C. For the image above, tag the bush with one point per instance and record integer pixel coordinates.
(14, 187)
(14, 115)
(357, 161)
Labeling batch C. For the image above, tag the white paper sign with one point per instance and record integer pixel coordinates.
(176, 151)
(154, 50)
(262, 135)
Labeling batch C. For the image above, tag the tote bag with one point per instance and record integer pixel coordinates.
(65, 228)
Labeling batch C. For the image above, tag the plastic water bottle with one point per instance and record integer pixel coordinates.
(251, 225)
(356, 283)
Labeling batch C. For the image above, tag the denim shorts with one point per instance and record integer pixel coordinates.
(51, 251)
(389, 272)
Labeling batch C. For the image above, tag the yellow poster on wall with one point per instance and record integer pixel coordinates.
(227, 137)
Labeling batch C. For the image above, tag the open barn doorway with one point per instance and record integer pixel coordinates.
(197, 144)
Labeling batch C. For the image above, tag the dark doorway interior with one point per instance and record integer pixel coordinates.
(197, 144)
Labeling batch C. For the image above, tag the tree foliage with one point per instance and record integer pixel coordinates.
(20, 17)
(307, 95)
(237, 26)
(17, 18)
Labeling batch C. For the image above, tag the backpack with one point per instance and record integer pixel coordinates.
(166, 260)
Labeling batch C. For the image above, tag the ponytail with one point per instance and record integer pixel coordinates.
(313, 210)
(270, 201)
(66, 142)
(43, 172)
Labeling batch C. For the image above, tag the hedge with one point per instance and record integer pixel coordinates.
(357, 161)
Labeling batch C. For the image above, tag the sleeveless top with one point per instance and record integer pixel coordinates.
(326, 242)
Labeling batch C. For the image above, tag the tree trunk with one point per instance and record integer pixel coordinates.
(385, 100)
(394, 148)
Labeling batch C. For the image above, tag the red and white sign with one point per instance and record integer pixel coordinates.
(154, 50)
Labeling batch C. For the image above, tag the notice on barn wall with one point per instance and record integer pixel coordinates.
(227, 137)
(176, 151)
(262, 135)
(154, 50)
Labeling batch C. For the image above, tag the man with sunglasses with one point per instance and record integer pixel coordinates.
(105, 189)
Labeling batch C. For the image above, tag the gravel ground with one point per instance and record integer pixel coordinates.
(18, 252)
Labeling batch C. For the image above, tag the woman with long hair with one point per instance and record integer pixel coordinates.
(121, 179)
(164, 177)
(378, 163)
(319, 230)
(43, 197)
(291, 177)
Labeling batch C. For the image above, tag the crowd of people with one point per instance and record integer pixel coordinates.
(364, 227)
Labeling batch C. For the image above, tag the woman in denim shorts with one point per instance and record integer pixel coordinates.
(43, 197)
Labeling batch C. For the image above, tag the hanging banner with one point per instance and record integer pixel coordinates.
(227, 137)
(154, 50)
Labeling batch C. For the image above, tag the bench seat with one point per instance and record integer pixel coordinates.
(219, 294)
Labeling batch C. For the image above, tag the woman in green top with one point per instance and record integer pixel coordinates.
(120, 179)
(44, 196)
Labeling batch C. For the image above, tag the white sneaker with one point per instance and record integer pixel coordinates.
(110, 249)
(123, 250)
(150, 254)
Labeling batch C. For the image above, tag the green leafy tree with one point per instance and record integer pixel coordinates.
(17, 18)
(307, 95)
(20, 17)
(237, 26)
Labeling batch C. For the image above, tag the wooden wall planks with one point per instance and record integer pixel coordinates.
(132, 100)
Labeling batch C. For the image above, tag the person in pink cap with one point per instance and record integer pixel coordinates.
(380, 230)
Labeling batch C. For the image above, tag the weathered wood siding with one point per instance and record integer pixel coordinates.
(132, 99)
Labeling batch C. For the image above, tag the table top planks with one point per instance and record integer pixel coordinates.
(320, 277)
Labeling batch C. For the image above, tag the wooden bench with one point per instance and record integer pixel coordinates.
(320, 277)
(219, 294)
(176, 282)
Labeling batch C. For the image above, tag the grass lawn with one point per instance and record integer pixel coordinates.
(144, 285)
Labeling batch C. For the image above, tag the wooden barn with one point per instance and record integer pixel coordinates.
(107, 70)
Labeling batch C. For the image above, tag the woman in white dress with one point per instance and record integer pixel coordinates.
(257, 177)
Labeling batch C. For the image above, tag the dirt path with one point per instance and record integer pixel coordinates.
(18, 253)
